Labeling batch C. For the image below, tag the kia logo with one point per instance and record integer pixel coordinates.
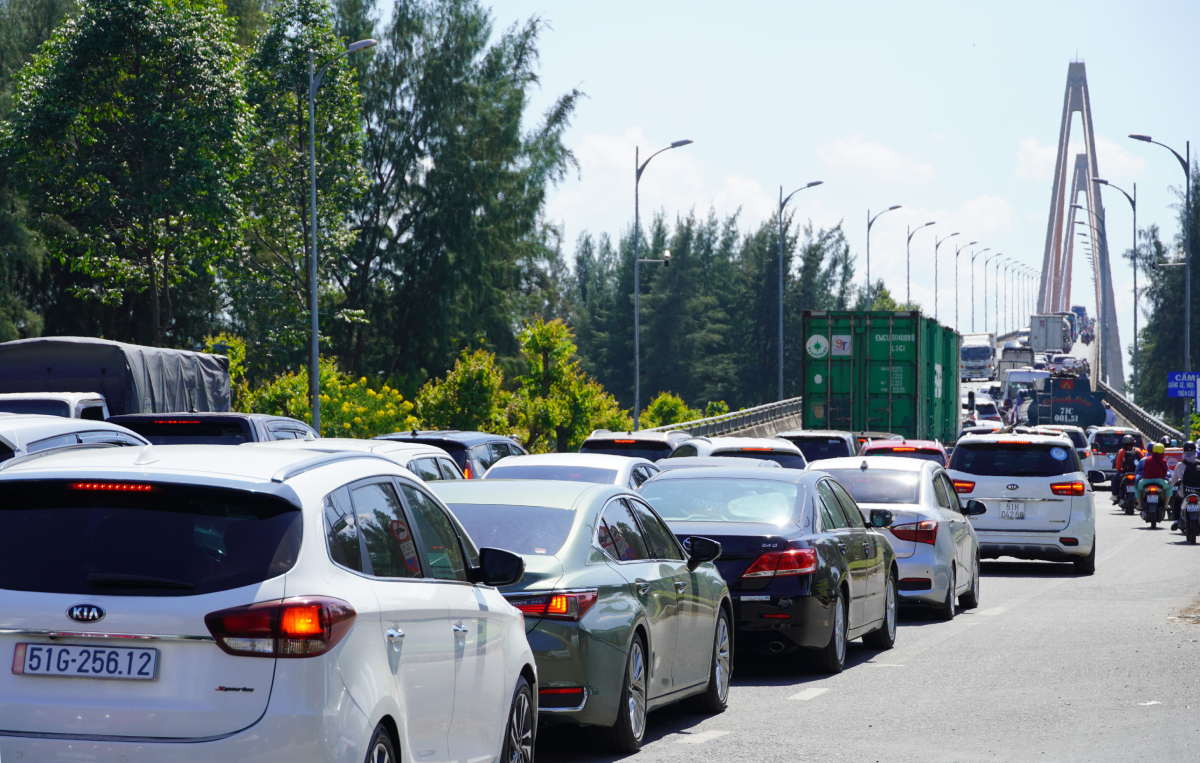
(86, 613)
(1013, 487)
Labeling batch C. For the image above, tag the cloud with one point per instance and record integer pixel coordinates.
(1114, 161)
(1035, 160)
(887, 164)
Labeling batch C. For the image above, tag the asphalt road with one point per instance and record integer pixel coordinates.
(1050, 667)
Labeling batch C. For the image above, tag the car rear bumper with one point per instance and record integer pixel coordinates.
(569, 656)
(1044, 546)
(923, 565)
(780, 625)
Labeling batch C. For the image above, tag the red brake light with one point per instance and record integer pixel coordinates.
(114, 487)
(764, 450)
(626, 442)
(1067, 488)
(297, 627)
(963, 486)
(567, 605)
(904, 450)
(1149, 488)
(919, 532)
(177, 422)
(799, 561)
(576, 690)
(467, 471)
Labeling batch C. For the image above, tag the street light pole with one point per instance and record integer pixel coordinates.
(783, 203)
(986, 260)
(314, 363)
(936, 245)
(637, 281)
(1132, 203)
(958, 249)
(1007, 319)
(908, 264)
(870, 222)
(996, 289)
(973, 256)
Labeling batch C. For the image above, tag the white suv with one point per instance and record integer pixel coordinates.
(1038, 497)
(783, 452)
(202, 603)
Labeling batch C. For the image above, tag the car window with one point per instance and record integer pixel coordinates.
(786, 460)
(483, 454)
(684, 451)
(438, 537)
(831, 510)
(619, 535)
(939, 492)
(342, 537)
(516, 470)
(391, 547)
(652, 451)
(853, 513)
(499, 451)
(951, 493)
(817, 448)
(92, 413)
(533, 530)
(660, 541)
(52, 442)
(110, 437)
(425, 468)
(721, 499)
(1014, 458)
(449, 469)
(878, 485)
(40, 407)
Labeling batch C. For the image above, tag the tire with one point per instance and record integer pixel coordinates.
(715, 698)
(885, 637)
(381, 750)
(625, 736)
(521, 732)
(970, 599)
(945, 611)
(1191, 530)
(1086, 565)
(831, 658)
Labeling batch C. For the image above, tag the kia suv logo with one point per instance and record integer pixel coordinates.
(86, 613)
(1013, 487)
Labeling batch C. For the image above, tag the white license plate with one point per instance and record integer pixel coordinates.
(1193, 508)
(1012, 511)
(1152, 498)
(85, 661)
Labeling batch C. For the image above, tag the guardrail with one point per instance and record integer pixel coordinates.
(1145, 421)
(736, 420)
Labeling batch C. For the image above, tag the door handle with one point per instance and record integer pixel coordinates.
(680, 586)
(458, 628)
(394, 635)
(842, 547)
(867, 546)
(642, 586)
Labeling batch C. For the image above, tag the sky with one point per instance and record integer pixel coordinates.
(949, 109)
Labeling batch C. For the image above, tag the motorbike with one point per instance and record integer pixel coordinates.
(1152, 498)
(1189, 513)
(1126, 497)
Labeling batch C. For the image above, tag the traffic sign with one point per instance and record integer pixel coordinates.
(1183, 383)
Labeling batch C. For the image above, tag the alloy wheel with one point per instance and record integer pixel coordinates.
(975, 581)
(890, 614)
(520, 730)
(839, 629)
(721, 671)
(637, 690)
(379, 754)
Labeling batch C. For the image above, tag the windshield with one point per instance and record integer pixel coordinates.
(502, 471)
(40, 407)
(817, 448)
(531, 530)
(1077, 438)
(724, 500)
(650, 450)
(1110, 442)
(189, 432)
(1014, 459)
(925, 454)
(986, 409)
(786, 460)
(977, 352)
(878, 485)
(162, 540)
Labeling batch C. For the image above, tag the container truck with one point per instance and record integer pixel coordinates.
(978, 357)
(880, 371)
(1049, 333)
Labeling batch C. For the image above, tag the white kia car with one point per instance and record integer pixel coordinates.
(1036, 495)
(216, 603)
(576, 467)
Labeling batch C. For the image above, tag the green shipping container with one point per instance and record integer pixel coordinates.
(881, 371)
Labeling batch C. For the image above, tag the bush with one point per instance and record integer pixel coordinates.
(666, 409)
(715, 408)
(469, 397)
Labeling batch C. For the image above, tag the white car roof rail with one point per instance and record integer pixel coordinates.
(308, 464)
(55, 450)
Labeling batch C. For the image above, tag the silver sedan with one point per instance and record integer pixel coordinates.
(936, 546)
(575, 467)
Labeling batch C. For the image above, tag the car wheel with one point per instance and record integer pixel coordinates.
(970, 599)
(832, 657)
(1086, 565)
(945, 611)
(522, 726)
(716, 695)
(380, 749)
(625, 736)
(885, 637)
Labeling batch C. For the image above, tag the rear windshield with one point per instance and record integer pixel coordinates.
(1110, 442)
(189, 431)
(977, 352)
(552, 472)
(925, 454)
(1013, 459)
(878, 485)
(41, 407)
(724, 500)
(786, 460)
(170, 540)
(531, 530)
(817, 448)
(651, 450)
(986, 409)
(1077, 438)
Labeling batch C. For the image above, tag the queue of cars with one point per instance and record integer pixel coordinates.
(438, 595)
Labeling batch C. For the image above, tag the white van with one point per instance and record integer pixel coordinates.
(69, 405)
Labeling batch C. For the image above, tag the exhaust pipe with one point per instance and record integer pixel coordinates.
(776, 646)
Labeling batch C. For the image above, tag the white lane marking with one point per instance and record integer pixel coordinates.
(701, 738)
(883, 665)
(989, 612)
(808, 694)
(1151, 702)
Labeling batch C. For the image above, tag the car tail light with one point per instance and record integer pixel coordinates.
(963, 486)
(298, 627)
(799, 561)
(625, 442)
(1067, 488)
(904, 450)
(761, 450)
(467, 471)
(1069, 541)
(562, 697)
(113, 487)
(924, 531)
(557, 605)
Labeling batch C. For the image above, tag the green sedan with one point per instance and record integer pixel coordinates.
(620, 618)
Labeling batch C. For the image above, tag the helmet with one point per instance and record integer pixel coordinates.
(1174, 443)
(1127, 441)
(1189, 447)
(1158, 447)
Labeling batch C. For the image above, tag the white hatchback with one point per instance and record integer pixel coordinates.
(203, 603)
(1038, 497)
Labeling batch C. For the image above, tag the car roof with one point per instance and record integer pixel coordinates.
(736, 443)
(18, 429)
(453, 435)
(206, 414)
(73, 397)
(903, 443)
(719, 472)
(1063, 427)
(555, 494)
(597, 460)
(723, 462)
(1008, 436)
(348, 444)
(669, 437)
(891, 463)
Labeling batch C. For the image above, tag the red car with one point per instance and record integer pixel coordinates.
(927, 450)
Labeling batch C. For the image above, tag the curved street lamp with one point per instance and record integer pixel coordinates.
(1132, 203)
(783, 203)
(973, 256)
(908, 262)
(936, 244)
(986, 260)
(958, 249)
(870, 222)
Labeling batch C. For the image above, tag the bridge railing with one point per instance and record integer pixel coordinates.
(1145, 421)
(736, 420)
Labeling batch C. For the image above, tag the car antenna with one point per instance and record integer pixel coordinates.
(863, 465)
(414, 433)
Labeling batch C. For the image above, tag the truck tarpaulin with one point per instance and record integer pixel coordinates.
(132, 378)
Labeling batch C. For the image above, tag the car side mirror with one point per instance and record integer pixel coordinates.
(701, 550)
(498, 567)
(1095, 476)
(881, 518)
(974, 508)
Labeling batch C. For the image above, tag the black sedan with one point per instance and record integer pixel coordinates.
(807, 573)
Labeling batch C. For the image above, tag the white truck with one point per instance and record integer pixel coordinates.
(977, 358)
(1049, 333)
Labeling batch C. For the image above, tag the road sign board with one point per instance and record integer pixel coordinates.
(1183, 383)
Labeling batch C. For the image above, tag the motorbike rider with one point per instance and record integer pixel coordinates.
(1186, 474)
(1153, 470)
(1126, 461)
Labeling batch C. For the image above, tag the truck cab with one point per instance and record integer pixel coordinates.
(69, 405)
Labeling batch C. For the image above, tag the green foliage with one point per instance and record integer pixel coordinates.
(127, 137)
(234, 348)
(715, 408)
(349, 407)
(666, 409)
(470, 397)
